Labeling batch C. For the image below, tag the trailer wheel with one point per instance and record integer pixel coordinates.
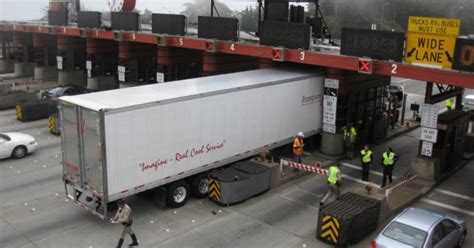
(178, 194)
(199, 185)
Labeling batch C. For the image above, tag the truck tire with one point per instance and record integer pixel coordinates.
(199, 185)
(178, 194)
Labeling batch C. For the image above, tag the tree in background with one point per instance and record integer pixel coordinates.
(248, 19)
(145, 16)
(203, 8)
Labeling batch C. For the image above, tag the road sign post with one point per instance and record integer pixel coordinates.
(331, 87)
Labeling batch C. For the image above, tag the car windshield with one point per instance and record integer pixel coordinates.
(405, 234)
(57, 90)
(4, 137)
(394, 88)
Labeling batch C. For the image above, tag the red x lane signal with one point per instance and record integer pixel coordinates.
(277, 54)
(210, 46)
(365, 66)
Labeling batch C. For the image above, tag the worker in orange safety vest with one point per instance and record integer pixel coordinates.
(298, 145)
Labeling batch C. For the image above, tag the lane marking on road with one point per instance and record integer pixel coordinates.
(302, 203)
(450, 193)
(299, 202)
(304, 191)
(359, 168)
(447, 206)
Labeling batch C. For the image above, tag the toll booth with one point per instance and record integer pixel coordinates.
(362, 102)
(450, 144)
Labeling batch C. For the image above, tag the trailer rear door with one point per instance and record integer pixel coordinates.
(83, 147)
(71, 145)
(93, 174)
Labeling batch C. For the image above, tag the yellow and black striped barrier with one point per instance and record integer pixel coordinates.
(52, 124)
(19, 112)
(214, 190)
(347, 221)
(330, 229)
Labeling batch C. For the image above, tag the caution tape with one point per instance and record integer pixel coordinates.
(214, 190)
(19, 112)
(330, 229)
(304, 167)
(51, 124)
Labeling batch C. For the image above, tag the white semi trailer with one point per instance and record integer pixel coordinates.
(121, 142)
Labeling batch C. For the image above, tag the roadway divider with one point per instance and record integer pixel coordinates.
(399, 185)
(238, 182)
(348, 220)
(35, 110)
(12, 98)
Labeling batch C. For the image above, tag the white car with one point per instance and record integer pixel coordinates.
(16, 145)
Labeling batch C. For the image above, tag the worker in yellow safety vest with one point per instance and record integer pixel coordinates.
(298, 145)
(449, 103)
(350, 136)
(366, 157)
(388, 161)
(334, 183)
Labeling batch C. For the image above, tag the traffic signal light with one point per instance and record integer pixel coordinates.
(365, 66)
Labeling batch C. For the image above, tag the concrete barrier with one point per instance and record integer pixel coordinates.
(332, 144)
(427, 168)
(24, 69)
(72, 77)
(101, 83)
(238, 183)
(35, 110)
(348, 220)
(12, 98)
(6, 66)
(46, 73)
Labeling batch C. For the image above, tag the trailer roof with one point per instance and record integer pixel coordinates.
(133, 96)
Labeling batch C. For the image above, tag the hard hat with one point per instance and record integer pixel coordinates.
(300, 134)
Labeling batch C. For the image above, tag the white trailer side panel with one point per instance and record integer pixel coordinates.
(166, 141)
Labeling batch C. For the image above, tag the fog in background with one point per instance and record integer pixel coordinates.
(23, 10)
(337, 13)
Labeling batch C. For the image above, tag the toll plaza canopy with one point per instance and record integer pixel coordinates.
(324, 56)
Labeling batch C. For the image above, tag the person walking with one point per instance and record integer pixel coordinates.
(334, 183)
(298, 145)
(366, 157)
(388, 161)
(124, 216)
